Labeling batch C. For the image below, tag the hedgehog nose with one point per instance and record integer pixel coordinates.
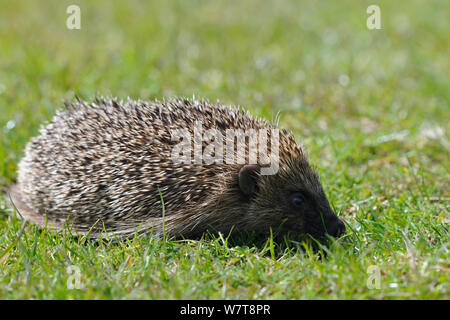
(337, 229)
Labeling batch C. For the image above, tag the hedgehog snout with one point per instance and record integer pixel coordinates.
(336, 228)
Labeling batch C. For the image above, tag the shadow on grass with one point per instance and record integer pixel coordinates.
(273, 245)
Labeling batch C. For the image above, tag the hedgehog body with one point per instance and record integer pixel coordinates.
(110, 166)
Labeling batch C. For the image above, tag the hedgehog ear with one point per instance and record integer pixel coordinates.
(248, 179)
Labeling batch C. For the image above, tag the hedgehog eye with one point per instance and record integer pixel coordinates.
(297, 200)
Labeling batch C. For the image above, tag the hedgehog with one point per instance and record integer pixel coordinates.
(133, 167)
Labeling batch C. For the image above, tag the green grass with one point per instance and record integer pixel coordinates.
(372, 108)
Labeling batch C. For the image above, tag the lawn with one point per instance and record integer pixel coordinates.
(370, 106)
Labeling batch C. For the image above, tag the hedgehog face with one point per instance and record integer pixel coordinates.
(293, 199)
(309, 213)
